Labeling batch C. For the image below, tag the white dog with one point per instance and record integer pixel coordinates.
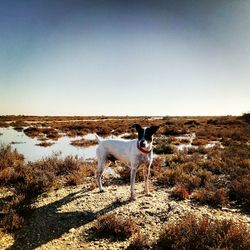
(133, 152)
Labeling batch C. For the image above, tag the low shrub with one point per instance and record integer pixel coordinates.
(27, 180)
(83, 143)
(33, 181)
(51, 133)
(239, 190)
(212, 121)
(180, 193)
(18, 129)
(171, 177)
(44, 144)
(201, 150)
(124, 173)
(115, 226)
(11, 221)
(140, 242)
(199, 142)
(246, 117)
(172, 130)
(32, 131)
(4, 124)
(74, 179)
(192, 233)
(9, 157)
(192, 123)
(158, 165)
(215, 198)
(12, 211)
(163, 149)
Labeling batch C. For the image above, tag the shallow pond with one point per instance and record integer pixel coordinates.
(27, 146)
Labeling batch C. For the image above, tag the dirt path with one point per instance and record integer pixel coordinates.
(64, 219)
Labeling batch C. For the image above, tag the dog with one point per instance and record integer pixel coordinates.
(134, 152)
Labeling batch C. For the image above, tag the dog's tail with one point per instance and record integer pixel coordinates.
(98, 138)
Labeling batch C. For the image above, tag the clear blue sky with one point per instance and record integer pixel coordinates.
(100, 57)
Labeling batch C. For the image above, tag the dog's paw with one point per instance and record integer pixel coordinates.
(149, 194)
(102, 190)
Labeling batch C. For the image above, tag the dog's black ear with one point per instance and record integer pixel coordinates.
(137, 127)
(153, 129)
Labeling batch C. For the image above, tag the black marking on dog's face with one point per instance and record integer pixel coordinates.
(139, 130)
(145, 134)
(149, 133)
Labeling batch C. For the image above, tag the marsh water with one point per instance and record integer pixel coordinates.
(27, 146)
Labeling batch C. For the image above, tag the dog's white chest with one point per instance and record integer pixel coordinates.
(143, 159)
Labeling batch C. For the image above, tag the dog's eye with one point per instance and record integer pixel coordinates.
(148, 137)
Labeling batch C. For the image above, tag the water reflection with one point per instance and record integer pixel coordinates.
(27, 146)
(190, 138)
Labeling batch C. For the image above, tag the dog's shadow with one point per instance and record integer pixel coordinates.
(46, 223)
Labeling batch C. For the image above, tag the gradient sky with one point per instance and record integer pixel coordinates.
(100, 57)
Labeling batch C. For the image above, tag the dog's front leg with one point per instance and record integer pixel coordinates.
(146, 179)
(132, 182)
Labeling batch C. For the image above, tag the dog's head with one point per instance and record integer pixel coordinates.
(145, 136)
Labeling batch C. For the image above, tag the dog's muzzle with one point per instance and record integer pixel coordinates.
(142, 143)
(142, 148)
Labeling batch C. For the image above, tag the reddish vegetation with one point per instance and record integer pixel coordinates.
(44, 144)
(193, 233)
(180, 192)
(115, 226)
(27, 180)
(214, 176)
(220, 178)
(83, 143)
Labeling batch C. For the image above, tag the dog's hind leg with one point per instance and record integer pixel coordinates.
(99, 172)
